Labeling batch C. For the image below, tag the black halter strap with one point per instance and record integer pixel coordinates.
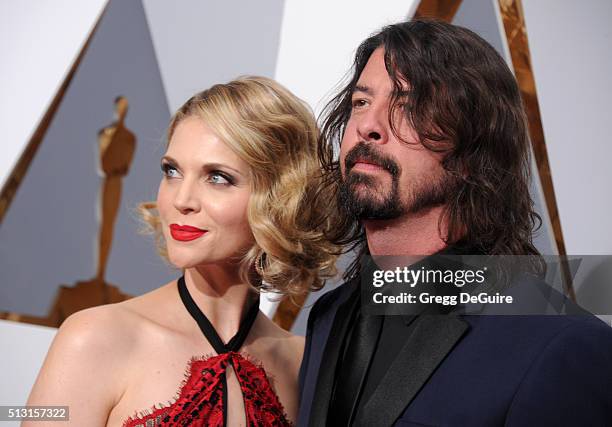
(207, 328)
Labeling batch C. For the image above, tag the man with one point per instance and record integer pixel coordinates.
(434, 158)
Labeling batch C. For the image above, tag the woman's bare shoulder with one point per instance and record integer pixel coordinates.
(98, 339)
(113, 326)
(98, 328)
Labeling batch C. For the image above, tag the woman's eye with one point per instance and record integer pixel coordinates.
(169, 170)
(218, 178)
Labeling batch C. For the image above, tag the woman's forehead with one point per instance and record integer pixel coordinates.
(194, 142)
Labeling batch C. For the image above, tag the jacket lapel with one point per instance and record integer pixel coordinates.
(327, 368)
(433, 338)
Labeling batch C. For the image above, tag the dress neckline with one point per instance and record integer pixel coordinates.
(234, 344)
(203, 395)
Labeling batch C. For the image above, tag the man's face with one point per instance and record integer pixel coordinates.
(384, 177)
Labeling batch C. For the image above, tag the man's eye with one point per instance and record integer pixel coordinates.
(219, 178)
(169, 170)
(358, 103)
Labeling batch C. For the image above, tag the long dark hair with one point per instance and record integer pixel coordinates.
(462, 100)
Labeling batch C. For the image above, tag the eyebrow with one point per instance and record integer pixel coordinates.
(365, 89)
(210, 166)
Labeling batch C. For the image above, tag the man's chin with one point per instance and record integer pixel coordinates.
(370, 189)
(378, 214)
(369, 208)
(368, 178)
(368, 198)
(367, 201)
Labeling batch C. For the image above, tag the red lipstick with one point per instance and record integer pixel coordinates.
(185, 233)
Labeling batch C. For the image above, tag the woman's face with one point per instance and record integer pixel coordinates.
(203, 197)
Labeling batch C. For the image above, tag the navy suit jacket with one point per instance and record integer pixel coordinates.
(470, 370)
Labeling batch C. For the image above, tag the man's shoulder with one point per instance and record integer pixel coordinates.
(534, 325)
(531, 337)
(580, 328)
(568, 378)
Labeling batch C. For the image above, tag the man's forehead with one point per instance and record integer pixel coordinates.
(363, 88)
(375, 78)
(366, 88)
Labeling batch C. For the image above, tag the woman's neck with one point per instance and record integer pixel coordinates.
(222, 296)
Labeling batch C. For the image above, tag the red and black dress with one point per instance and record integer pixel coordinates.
(202, 398)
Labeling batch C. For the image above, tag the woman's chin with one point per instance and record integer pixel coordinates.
(183, 262)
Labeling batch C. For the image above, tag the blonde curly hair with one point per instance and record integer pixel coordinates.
(276, 134)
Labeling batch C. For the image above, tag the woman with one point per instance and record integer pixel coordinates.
(236, 212)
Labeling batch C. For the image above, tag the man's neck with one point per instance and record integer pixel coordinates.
(412, 234)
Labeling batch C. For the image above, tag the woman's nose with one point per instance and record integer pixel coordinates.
(186, 199)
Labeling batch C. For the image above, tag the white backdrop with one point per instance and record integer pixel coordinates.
(39, 41)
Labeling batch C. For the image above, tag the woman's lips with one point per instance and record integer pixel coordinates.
(185, 233)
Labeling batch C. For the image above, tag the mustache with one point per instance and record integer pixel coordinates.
(363, 151)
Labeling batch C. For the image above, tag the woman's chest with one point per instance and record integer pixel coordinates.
(182, 379)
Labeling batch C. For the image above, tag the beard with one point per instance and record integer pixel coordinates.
(364, 197)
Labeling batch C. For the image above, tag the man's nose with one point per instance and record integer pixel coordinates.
(186, 200)
(373, 125)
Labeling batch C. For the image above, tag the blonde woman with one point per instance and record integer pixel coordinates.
(236, 212)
